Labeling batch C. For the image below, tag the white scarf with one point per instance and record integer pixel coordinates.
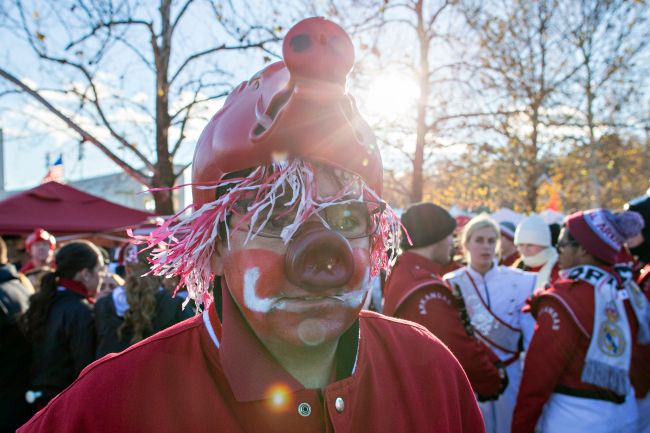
(545, 258)
(607, 362)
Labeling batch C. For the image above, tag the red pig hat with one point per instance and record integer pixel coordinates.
(40, 235)
(280, 125)
(294, 108)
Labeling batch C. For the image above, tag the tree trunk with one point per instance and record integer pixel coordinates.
(164, 176)
(594, 183)
(421, 130)
(533, 170)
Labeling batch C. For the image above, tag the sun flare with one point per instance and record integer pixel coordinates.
(391, 96)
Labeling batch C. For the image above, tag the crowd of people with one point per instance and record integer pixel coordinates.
(289, 246)
(558, 340)
(55, 325)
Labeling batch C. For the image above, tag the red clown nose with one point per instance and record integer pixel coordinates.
(318, 258)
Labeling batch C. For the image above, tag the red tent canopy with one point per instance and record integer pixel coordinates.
(62, 209)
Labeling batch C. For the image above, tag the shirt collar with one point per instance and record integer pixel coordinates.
(414, 259)
(250, 368)
(494, 270)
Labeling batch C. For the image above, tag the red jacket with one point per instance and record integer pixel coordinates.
(416, 292)
(392, 376)
(510, 260)
(556, 354)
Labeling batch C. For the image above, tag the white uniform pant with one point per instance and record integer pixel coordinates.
(643, 405)
(566, 413)
(497, 414)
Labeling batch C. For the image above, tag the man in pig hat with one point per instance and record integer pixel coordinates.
(287, 184)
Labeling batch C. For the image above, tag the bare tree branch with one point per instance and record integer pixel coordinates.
(85, 136)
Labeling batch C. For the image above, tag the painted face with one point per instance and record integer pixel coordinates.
(41, 251)
(567, 251)
(278, 310)
(530, 250)
(283, 312)
(481, 247)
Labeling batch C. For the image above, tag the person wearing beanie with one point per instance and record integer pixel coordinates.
(287, 228)
(533, 241)
(509, 254)
(415, 291)
(577, 371)
(493, 296)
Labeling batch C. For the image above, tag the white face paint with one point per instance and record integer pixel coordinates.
(253, 302)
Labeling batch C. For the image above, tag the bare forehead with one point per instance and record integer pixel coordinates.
(484, 233)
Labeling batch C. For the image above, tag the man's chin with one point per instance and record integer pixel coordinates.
(313, 331)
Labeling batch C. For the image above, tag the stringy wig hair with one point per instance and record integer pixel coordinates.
(183, 246)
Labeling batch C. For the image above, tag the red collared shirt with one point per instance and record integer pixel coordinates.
(201, 377)
(416, 292)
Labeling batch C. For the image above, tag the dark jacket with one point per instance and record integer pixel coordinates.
(67, 346)
(169, 311)
(14, 351)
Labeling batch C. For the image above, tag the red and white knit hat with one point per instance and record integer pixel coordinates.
(601, 233)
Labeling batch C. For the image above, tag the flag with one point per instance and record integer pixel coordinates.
(55, 172)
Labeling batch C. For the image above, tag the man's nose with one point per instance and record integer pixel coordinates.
(318, 258)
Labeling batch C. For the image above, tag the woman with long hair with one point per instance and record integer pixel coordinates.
(494, 295)
(137, 310)
(60, 321)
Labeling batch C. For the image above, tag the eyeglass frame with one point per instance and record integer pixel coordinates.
(381, 207)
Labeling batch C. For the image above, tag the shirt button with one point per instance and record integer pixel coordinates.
(339, 404)
(304, 409)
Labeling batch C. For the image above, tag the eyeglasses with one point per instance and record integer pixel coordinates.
(354, 220)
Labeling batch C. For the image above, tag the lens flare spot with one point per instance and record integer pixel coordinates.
(312, 331)
(278, 397)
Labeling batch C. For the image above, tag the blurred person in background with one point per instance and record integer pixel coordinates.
(139, 308)
(40, 245)
(493, 296)
(508, 252)
(577, 372)
(415, 291)
(60, 320)
(15, 291)
(533, 240)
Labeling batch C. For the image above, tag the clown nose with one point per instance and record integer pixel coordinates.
(318, 258)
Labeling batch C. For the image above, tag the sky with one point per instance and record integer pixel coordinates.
(33, 135)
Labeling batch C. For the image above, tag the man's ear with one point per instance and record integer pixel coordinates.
(216, 259)
(82, 275)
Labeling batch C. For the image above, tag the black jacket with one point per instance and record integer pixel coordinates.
(67, 346)
(169, 311)
(14, 351)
